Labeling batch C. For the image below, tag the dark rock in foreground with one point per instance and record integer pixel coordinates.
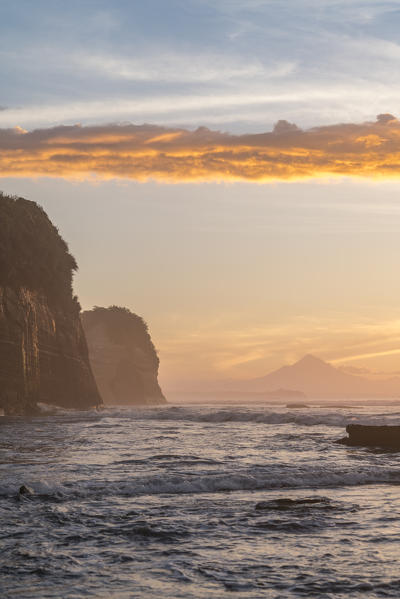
(43, 351)
(372, 436)
(123, 357)
(23, 490)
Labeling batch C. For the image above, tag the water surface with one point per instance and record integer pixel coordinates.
(198, 502)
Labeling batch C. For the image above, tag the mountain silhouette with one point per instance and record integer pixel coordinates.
(317, 378)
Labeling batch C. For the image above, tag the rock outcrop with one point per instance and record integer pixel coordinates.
(372, 436)
(123, 357)
(43, 351)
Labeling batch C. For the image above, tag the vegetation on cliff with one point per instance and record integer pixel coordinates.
(43, 350)
(33, 254)
(123, 327)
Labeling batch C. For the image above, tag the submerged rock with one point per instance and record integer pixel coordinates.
(43, 351)
(285, 503)
(23, 490)
(123, 357)
(370, 436)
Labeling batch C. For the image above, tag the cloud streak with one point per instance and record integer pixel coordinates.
(173, 68)
(370, 149)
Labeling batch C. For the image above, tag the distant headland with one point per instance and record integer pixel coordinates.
(123, 357)
(44, 355)
(319, 379)
(310, 377)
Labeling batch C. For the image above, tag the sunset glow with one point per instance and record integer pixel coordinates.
(370, 150)
(199, 299)
(246, 174)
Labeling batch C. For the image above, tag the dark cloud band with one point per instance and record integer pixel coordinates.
(370, 149)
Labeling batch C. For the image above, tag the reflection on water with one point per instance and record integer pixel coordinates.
(197, 503)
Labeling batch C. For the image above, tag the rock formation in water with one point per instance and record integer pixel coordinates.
(43, 351)
(370, 436)
(123, 357)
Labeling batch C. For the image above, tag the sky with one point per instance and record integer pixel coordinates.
(228, 170)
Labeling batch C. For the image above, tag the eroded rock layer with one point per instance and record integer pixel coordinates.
(43, 351)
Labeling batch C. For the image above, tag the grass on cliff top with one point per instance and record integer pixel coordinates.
(122, 327)
(33, 253)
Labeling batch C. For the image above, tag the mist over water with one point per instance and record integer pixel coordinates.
(198, 502)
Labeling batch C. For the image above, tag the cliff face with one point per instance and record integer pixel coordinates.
(43, 351)
(123, 357)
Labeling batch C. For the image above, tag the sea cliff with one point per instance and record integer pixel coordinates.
(43, 351)
(123, 357)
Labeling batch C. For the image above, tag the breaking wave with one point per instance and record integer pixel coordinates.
(219, 482)
(199, 501)
(311, 417)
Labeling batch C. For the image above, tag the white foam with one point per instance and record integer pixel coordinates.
(315, 478)
(307, 417)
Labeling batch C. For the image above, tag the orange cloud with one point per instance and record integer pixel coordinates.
(369, 149)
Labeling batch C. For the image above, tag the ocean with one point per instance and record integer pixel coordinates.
(191, 501)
